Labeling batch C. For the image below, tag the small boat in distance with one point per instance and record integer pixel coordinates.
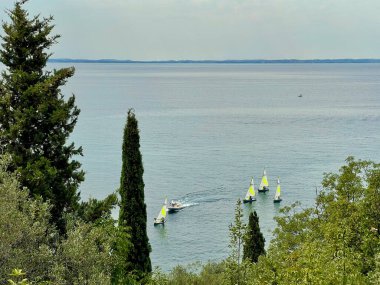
(264, 185)
(277, 196)
(175, 206)
(300, 96)
(161, 218)
(251, 195)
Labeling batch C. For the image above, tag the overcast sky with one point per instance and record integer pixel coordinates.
(212, 29)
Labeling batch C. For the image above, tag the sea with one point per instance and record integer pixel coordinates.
(206, 129)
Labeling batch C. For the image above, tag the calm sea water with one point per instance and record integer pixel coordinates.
(207, 128)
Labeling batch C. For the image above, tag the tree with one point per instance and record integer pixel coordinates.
(84, 256)
(253, 240)
(35, 118)
(29, 242)
(375, 275)
(336, 241)
(237, 232)
(24, 227)
(132, 213)
(94, 209)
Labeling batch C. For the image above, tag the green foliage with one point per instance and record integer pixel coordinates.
(336, 242)
(29, 241)
(254, 241)
(375, 275)
(84, 256)
(181, 275)
(212, 273)
(94, 209)
(24, 226)
(18, 274)
(209, 274)
(132, 206)
(35, 119)
(237, 233)
(158, 277)
(121, 249)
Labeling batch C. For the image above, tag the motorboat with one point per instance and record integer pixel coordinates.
(175, 206)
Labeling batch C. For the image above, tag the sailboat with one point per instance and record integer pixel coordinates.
(264, 185)
(251, 195)
(161, 218)
(277, 196)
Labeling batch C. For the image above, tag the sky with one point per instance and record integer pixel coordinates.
(211, 29)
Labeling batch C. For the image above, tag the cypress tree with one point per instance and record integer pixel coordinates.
(132, 206)
(35, 118)
(254, 240)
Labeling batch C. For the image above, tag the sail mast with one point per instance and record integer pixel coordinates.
(278, 191)
(251, 190)
(264, 185)
(162, 214)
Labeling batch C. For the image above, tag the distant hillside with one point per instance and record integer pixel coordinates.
(344, 60)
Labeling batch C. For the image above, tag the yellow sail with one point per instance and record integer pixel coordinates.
(264, 181)
(251, 191)
(163, 211)
(278, 190)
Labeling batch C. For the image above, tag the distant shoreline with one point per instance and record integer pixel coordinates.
(256, 61)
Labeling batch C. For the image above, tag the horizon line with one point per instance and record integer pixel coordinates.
(326, 60)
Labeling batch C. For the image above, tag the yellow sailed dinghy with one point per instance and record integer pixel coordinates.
(264, 185)
(277, 196)
(161, 218)
(251, 195)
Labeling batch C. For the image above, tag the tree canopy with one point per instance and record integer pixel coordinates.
(335, 242)
(253, 240)
(132, 205)
(35, 118)
(29, 242)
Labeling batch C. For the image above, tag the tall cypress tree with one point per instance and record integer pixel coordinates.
(35, 119)
(254, 240)
(132, 206)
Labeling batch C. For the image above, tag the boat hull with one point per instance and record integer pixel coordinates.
(265, 189)
(277, 200)
(159, 222)
(174, 209)
(249, 200)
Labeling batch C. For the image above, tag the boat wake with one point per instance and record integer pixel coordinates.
(189, 204)
(205, 196)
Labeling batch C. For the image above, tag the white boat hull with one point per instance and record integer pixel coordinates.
(175, 209)
(159, 222)
(175, 206)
